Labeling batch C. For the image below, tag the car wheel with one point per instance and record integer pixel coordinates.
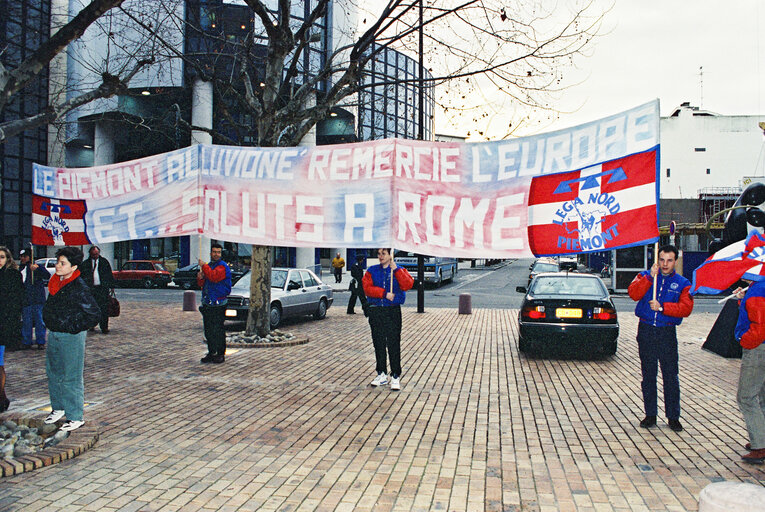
(440, 277)
(275, 316)
(522, 345)
(186, 285)
(451, 279)
(321, 312)
(147, 283)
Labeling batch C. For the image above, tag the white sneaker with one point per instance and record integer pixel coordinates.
(380, 380)
(68, 426)
(54, 416)
(395, 384)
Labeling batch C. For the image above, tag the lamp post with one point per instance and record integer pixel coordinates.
(421, 122)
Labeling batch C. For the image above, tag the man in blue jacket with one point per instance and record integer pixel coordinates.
(35, 279)
(215, 280)
(656, 336)
(385, 296)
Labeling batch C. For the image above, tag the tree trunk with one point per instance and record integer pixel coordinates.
(258, 320)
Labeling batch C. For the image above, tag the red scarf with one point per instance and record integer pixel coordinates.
(55, 283)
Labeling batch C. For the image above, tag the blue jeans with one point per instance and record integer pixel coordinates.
(64, 364)
(658, 346)
(751, 394)
(31, 316)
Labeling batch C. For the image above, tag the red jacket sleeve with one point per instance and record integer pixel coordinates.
(683, 307)
(214, 275)
(405, 280)
(755, 308)
(370, 290)
(639, 286)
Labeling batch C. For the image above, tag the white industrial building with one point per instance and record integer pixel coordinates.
(702, 151)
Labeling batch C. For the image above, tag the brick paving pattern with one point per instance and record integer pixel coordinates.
(477, 426)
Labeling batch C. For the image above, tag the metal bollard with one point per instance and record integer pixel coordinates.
(465, 307)
(189, 300)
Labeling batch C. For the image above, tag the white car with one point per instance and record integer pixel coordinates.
(48, 264)
(295, 292)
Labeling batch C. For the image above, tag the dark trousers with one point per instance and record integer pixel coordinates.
(215, 334)
(338, 274)
(101, 294)
(658, 346)
(357, 291)
(385, 323)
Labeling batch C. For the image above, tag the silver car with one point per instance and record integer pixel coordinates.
(295, 292)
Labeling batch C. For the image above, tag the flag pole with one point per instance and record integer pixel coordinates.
(655, 262)
(731, 296)
(392, 251)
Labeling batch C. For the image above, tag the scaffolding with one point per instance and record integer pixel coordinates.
(713, 200)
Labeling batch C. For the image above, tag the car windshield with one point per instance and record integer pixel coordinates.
(540, 267)
(278, 278)
(568, 285)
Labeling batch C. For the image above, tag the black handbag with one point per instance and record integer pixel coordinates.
(114, 305)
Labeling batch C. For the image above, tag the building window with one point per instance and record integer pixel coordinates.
(667, 172)
(708, 171)
(700, 150)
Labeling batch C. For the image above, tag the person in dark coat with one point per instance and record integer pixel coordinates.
(357, 273)
(68, 313)
(97, 273)
(34, 277)
(12, 293)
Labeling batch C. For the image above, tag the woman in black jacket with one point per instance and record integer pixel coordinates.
(68, 313)
(12, 293)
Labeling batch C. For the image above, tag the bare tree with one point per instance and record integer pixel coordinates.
(12, 81)
(271, 91)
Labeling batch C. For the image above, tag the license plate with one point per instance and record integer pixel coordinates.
(568, 313)
(232, 312)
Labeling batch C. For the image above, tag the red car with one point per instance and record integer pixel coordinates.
(144, 273)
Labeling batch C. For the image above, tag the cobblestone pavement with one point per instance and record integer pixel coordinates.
(477, 426)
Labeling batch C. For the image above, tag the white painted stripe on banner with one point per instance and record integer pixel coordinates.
(628, 199)
(75, 225)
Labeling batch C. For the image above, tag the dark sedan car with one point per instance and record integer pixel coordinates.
(567, 311)
(186, 277)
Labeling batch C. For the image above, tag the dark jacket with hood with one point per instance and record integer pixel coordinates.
(71, 308)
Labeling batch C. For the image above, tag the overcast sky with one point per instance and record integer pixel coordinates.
(653, 49)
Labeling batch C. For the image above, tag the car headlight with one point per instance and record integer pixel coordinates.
(246, 302)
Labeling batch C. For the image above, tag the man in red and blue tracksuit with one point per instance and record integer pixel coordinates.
(750, 333)
(385, 296)
(656, 336)
(215, 280)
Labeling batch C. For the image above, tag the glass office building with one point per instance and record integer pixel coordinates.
(24, 25)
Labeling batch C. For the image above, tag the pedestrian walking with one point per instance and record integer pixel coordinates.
(750, 333)
(96, 271)
(69, 312)
(337, 267)
(656, 336)
(386, 295)
(12, 293)
(34, 278)
(215, 280)
(357, 275)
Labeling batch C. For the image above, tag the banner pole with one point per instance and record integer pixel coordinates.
(392, 252)
(655, 262)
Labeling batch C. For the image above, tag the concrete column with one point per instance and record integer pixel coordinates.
(309, 139)
(305, 258)
(201, 115)
(201, 111)
(103, 154)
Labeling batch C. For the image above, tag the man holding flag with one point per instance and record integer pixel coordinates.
(660, 313)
